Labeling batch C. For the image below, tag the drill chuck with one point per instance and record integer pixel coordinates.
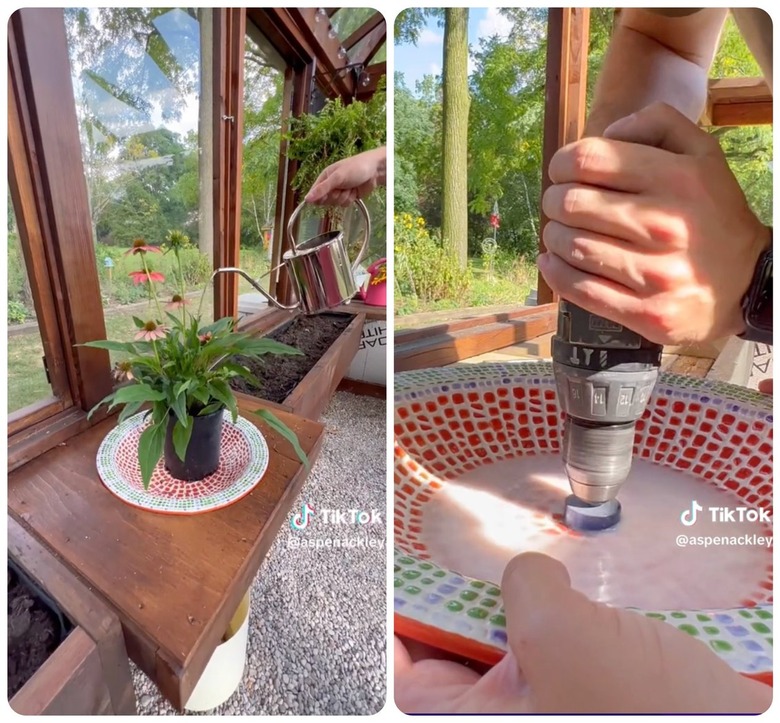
(604, 375)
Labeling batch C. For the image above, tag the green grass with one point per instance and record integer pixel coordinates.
(26, 378)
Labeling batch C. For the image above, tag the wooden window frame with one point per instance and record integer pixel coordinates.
(50, 194)
(282, 30)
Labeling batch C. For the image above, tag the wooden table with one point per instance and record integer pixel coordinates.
(174, 581)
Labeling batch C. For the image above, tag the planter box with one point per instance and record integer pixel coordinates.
(313, 393)
(89, 673)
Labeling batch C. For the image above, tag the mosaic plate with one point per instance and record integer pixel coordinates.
(452, 421)
(243, 462)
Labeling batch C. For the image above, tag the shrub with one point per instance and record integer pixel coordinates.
(424, 268)
(17, 312)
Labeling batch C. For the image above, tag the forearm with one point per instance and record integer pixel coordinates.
(656, 59)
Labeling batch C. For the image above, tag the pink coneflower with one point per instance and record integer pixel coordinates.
(177, 302)
(141, 277)
(123, 371)
(205, 338)
(151, 331)
(141, 247)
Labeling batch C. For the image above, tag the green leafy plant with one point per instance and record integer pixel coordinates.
(338, 131)
(424, 267)
(17, 312)
(180, 366)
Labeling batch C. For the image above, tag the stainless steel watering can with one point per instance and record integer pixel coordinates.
(319, 267)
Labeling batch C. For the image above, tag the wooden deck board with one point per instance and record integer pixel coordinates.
(174, 581)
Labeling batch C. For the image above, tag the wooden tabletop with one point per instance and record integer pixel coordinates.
(174, 581)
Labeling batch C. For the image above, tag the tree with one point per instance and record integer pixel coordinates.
(455, 125)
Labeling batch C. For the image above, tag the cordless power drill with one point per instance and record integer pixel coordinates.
(605, 375)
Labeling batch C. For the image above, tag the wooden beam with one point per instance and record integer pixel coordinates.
(462, 340)
(375, 39)
(229, 38)
(298, 85)
(374, 21)
(564, 106)
(738, 102)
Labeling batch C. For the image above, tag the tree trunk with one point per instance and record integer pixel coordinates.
(206, 136)
(455, 83)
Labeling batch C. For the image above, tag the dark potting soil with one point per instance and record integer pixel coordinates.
(279, 375)
(33, 633)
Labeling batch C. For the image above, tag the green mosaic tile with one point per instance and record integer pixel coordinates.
(427, 581)
(413, 590)
(690, 629)
(406, 560)
(411, 574)
(703, 618)
(657, 616)
(454, 606)
(746, 614)
(468, 595)
(398, 582)
(764, 614)
(478, 613)
(721, 646)
(499, 620)
(678, 615)
(760, 628)
(396, 568)
(477, 584)
(710, 630)
(488, 603)
(425, 566)
(494, 591)
(439, 573)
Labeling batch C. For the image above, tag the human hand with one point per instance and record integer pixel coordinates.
(649, 228)
(343, 182)
(766, 386)
(570, 655)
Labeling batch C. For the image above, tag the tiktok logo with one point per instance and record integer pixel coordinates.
(688, 517)
(299, 521)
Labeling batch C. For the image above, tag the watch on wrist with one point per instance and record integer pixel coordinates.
(757, 302)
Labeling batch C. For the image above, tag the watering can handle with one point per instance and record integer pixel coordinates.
(363, 210)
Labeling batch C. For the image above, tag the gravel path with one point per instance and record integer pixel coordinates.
(317, 635)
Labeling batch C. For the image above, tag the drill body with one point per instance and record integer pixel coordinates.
(604, 374)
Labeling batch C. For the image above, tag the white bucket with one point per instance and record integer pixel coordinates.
(225, 670)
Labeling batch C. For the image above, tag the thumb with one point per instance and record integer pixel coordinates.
(325, 184)
(584, 657)
(664, 127)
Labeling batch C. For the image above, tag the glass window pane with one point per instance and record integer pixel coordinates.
(27, 382)
(381, 55)
(263, 97)
(347, 20)
(145, 119)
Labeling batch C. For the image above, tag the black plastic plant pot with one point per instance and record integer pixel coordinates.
(202, 456)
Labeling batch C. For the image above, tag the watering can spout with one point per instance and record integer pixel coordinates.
(244, 274)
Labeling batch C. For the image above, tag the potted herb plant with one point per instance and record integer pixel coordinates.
(180, 367)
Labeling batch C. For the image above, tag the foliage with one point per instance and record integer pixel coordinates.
(338, 131)
(17, 312)
(506, 121)
(424, 268)
(180, 366)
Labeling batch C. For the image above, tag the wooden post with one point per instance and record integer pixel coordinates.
(565, 99)
(229, 34)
